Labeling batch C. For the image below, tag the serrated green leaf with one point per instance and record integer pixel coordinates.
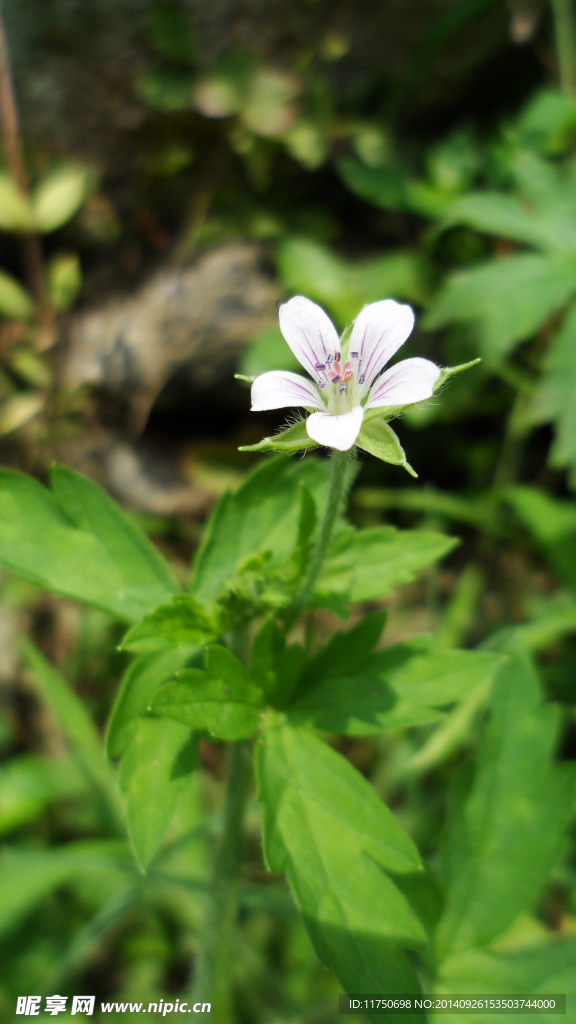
(75, 541)
(547, 968)
(398, 687)
(508, 833)
(222, 701)
(363, 565)
(56, 199)
(327, 830)
(261, 516)
(142, 678)
(509, 299)
(378, 438)
(275, 666)
(154, 771)
(292, 439)
(183, 623)
(15, 302)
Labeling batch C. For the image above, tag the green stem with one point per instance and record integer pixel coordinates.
(336, 484)
(565, 32)
(212, 980)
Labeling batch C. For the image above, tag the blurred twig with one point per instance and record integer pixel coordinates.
(12, 144)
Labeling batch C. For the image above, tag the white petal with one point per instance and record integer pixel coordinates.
(412, 380)
(335, 431)
(309, 332)
(378, 332)
(281, 389)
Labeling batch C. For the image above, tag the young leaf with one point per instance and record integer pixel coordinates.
(154, 771)
(327, 830)
(378, 438)
(183, 623)
(222, 701)
(397, 687)
(139, 683)
(363, 565)
(58, 197)
(274, 666)
(78, 543)
(292, 439)
(15, 210)
(506, 837)
(261, 516)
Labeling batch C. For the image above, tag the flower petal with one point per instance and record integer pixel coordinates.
(378, 332)
(309, 332)
(410, 381)
(280, 389)
(335, 431)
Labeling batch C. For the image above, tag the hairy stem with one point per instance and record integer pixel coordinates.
(212, 981)
(336, 486)
(565, 32)
(12, 145)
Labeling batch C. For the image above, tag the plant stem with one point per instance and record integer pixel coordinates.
(338, 462)
(12, 144)
(565, 32)
(212, 981)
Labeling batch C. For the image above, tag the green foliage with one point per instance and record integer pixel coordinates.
(58, 197)
(292, 439)
(183, 623)
(221, 701)
(321, 817)
(552, 523)
(31, 783)
(63, 280)
(15, 302)
(507, 831)
(555, 396)
(74, 540)
(154, 771)
(378, 438)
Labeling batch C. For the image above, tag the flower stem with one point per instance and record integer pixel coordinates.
(565, 32)
(212, 980)
(336, 486)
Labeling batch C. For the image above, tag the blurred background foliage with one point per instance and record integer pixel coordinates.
(230, 154)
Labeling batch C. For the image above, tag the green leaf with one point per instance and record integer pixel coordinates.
(292, 439)
(327, 830)
(496, 213)
(547, 122)
(261, 516)
(28, 875)
(15, 301)
(382, 186)
(508, 298)
(154, 771)
(343, 286)
(552, 522)
(400, 686)
(183, 623)
(77, 542)
(508, 833)
(15, 210)
(30, 783)
(63, 280)
(222, 701)
(363, 565)
(268, 351)
(79, 730)
(275, 666)
(378, 438)
(167, 88)
(555, 396)
(56, 199)
(139, 683)
(546, 968)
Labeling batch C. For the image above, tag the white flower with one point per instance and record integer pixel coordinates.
(345, 378)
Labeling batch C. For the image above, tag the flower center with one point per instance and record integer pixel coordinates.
(341, 380)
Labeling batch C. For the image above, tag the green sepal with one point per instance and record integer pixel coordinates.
(244, 377)
(451, 371)
(378, 439)
(293, 439)
(182, 623)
